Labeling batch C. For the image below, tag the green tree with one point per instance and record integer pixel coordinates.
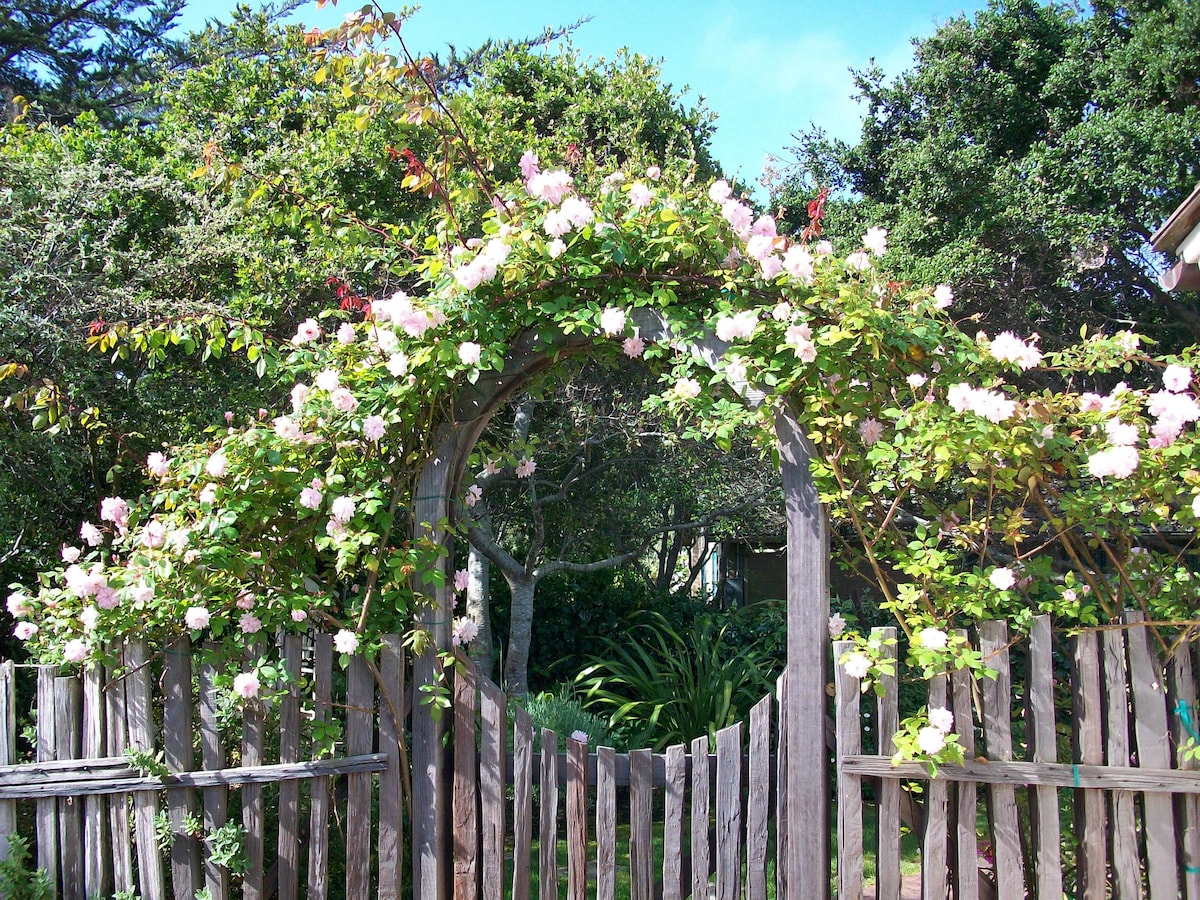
(69, 57)
(1026, 158)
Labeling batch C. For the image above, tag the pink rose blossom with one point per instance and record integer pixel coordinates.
(287, 428)
(633, 347)
(720, 191)
(856, 665)
(941, 719)
(208, 495)
(469, 353)
(1177, 378)
(526, 467)
(342, 509)
(70, 554)
(115, 510)
(556, 248)
(474, 494)
(931, 740)
(529, 164)
(217, 465)
(154, 535)
(577, 212)
(196, 617)
(823, 248)
(639, 195)
(579, 736)
(654, 173)
(739, 217)
(687, 388)
(858, 261)
(932, 638)
(328, 380)
(249, 623)
(549, 186)
(75, 651)
(735, 370)
(1002, 579)
(344, 401)
(345, 642)
(345, 333)
(308, 331)
(461, 579)
(1121, 434)
(464, 631)
(19, 605)
(836, 626)
(157, 465)
(299, 396)
(310, 498)
(612, 321)
(740, 325)
(246, 685)
(556, 224)
(298, 615)
(1117, 462)
(245, 600)
(25, 630)
(875, 240)
(1007, 347)
(373, 428)
(943, 296)
(870, 430)
(798, 263)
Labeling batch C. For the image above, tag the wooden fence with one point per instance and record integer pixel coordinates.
(710, 811)
(1121, 720)
(98, 823)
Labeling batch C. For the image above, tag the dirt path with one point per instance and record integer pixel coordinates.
(910, 888)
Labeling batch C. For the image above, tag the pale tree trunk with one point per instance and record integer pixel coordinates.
(479, 605)
(520, 629)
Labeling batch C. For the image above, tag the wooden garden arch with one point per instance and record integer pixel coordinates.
(441, 479)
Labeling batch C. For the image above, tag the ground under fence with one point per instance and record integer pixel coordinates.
(308, 819)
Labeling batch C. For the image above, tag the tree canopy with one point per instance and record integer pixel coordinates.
(1026, 158)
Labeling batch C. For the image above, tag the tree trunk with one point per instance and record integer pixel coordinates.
(520, 628)
(479, 605)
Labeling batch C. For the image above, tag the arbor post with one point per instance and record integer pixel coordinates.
(807, 620)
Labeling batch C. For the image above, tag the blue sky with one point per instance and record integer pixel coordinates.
(768, 68)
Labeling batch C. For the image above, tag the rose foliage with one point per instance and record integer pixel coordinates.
(972, 487)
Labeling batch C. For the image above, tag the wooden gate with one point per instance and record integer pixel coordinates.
(699, 823)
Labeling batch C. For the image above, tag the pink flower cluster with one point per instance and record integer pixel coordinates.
(400, 310)
(990, 405)
(484, 266)
(799, 338)
(1007, 347)
(738, 326)
(464, 631)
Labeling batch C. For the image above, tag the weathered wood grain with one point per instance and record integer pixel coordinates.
(548, 825)
(935, 875)
(1126, 869)
(1147, 676)
(729, 812)
(46, 810)
(215, 800)
(1089, 750)
(319, 806)
(465, 803)
(641, 847)
(606, 824)
(178, 751)
(701, 846)
(360, 738)
(522, 804)
(758, 799)
(68, 704)
(1187, 808)
(577, 832)
(965, 845)
(254, 814)
(997, 736)
(1045, 831)
(139, 712)
(8, 747)
(391, 780)
(849, 786)
(887, 721)
(491, 788)
(676, 778)
(288, 841)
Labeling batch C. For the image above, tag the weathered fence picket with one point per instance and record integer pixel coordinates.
(1114, 671)
(81, 787)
